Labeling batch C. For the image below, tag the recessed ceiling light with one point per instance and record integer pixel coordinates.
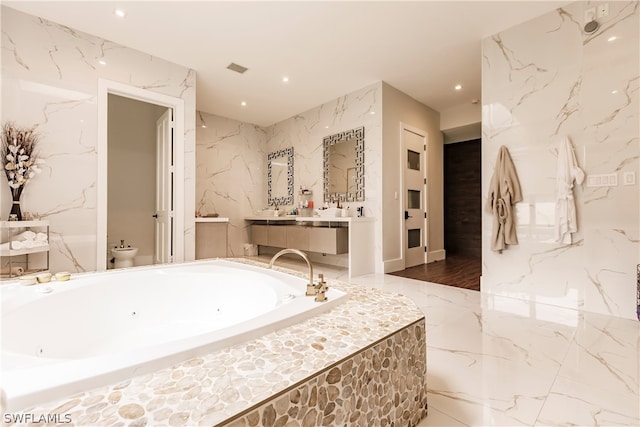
(285, 79)
(119, 13)
(612, 39)
(243, 103)
(372, 113)
(613, 92)
(458, 87)
(102, 62)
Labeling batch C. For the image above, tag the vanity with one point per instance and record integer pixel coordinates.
(211, 237)
(350, 236)
(345, 241)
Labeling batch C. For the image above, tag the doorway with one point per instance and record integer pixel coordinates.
(463, 199)
(414, 167)
(163, 172)
(138, 176)
(462, 221)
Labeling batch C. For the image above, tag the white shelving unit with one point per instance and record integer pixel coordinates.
(9, 231)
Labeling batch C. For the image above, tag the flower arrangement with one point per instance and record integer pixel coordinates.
(20, 160)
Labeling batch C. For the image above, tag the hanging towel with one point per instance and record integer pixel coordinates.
(504, 191)
(567, 172)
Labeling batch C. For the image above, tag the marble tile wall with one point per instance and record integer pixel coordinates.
(541, 81)
(232, 159)
(231, 173)
(50, 79)
(304, 132)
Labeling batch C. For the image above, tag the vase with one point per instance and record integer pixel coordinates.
(15, 206)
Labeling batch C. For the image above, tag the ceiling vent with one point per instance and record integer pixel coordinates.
(237, 68)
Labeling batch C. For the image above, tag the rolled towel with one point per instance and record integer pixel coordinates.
(41, 237)
(17, 244)
(30, 244)
(14, 271)
(27, 235)
(4, 246)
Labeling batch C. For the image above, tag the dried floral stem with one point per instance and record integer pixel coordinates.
(19, 156)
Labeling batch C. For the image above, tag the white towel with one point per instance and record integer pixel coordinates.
(26, 235)
(41, 237)
(26, 244)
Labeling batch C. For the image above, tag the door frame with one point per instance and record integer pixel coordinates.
(163, 224)
(403, 190)
(105, 88)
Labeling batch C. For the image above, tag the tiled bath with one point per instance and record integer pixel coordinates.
(383, 385)
(364, 360)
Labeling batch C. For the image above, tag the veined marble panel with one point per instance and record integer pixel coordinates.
(49, 79)
(543, 80)
(231, 177)
(305, 132)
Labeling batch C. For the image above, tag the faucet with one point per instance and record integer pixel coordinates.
(311, 288)
(122, 243)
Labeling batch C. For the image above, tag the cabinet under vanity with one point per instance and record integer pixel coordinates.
(351, 237)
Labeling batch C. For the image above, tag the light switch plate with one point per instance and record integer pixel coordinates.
(602, 180)
(629, 178)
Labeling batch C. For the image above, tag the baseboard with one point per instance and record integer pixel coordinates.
(393, 265)
(438, 255)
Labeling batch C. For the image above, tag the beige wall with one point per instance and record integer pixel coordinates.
(399, 108)
(460, 115)
(461, 123)
(132, 175)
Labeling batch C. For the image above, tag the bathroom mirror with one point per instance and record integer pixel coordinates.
(344, 166)
(280, 177)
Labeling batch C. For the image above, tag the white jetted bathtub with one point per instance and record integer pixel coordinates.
(100, 328)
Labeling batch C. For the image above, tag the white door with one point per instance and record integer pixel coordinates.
(163, 251)
(414, 153)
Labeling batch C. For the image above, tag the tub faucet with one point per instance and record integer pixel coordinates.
(311, 288)
(122, 243)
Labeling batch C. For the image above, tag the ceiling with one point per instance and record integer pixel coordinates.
(326, 48)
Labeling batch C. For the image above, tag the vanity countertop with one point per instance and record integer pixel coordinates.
(294, 218)
(211, 219)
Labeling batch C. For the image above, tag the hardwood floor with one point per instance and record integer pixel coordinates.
(457, 270)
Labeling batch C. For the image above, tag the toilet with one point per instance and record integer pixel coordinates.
(123, 257)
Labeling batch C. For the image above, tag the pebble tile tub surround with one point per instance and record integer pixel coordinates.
(362, 363)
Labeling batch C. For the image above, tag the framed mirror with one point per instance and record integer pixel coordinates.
(344, 166)
(280, 177)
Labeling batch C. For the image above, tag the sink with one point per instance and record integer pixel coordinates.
(329, 213)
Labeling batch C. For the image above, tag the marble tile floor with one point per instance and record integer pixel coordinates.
(503, 361)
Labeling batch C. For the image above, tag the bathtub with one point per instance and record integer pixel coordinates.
(101, 328)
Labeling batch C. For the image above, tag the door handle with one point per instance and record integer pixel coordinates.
(155, 215)
(406, 215)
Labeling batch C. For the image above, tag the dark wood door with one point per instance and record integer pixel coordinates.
(463, 199)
